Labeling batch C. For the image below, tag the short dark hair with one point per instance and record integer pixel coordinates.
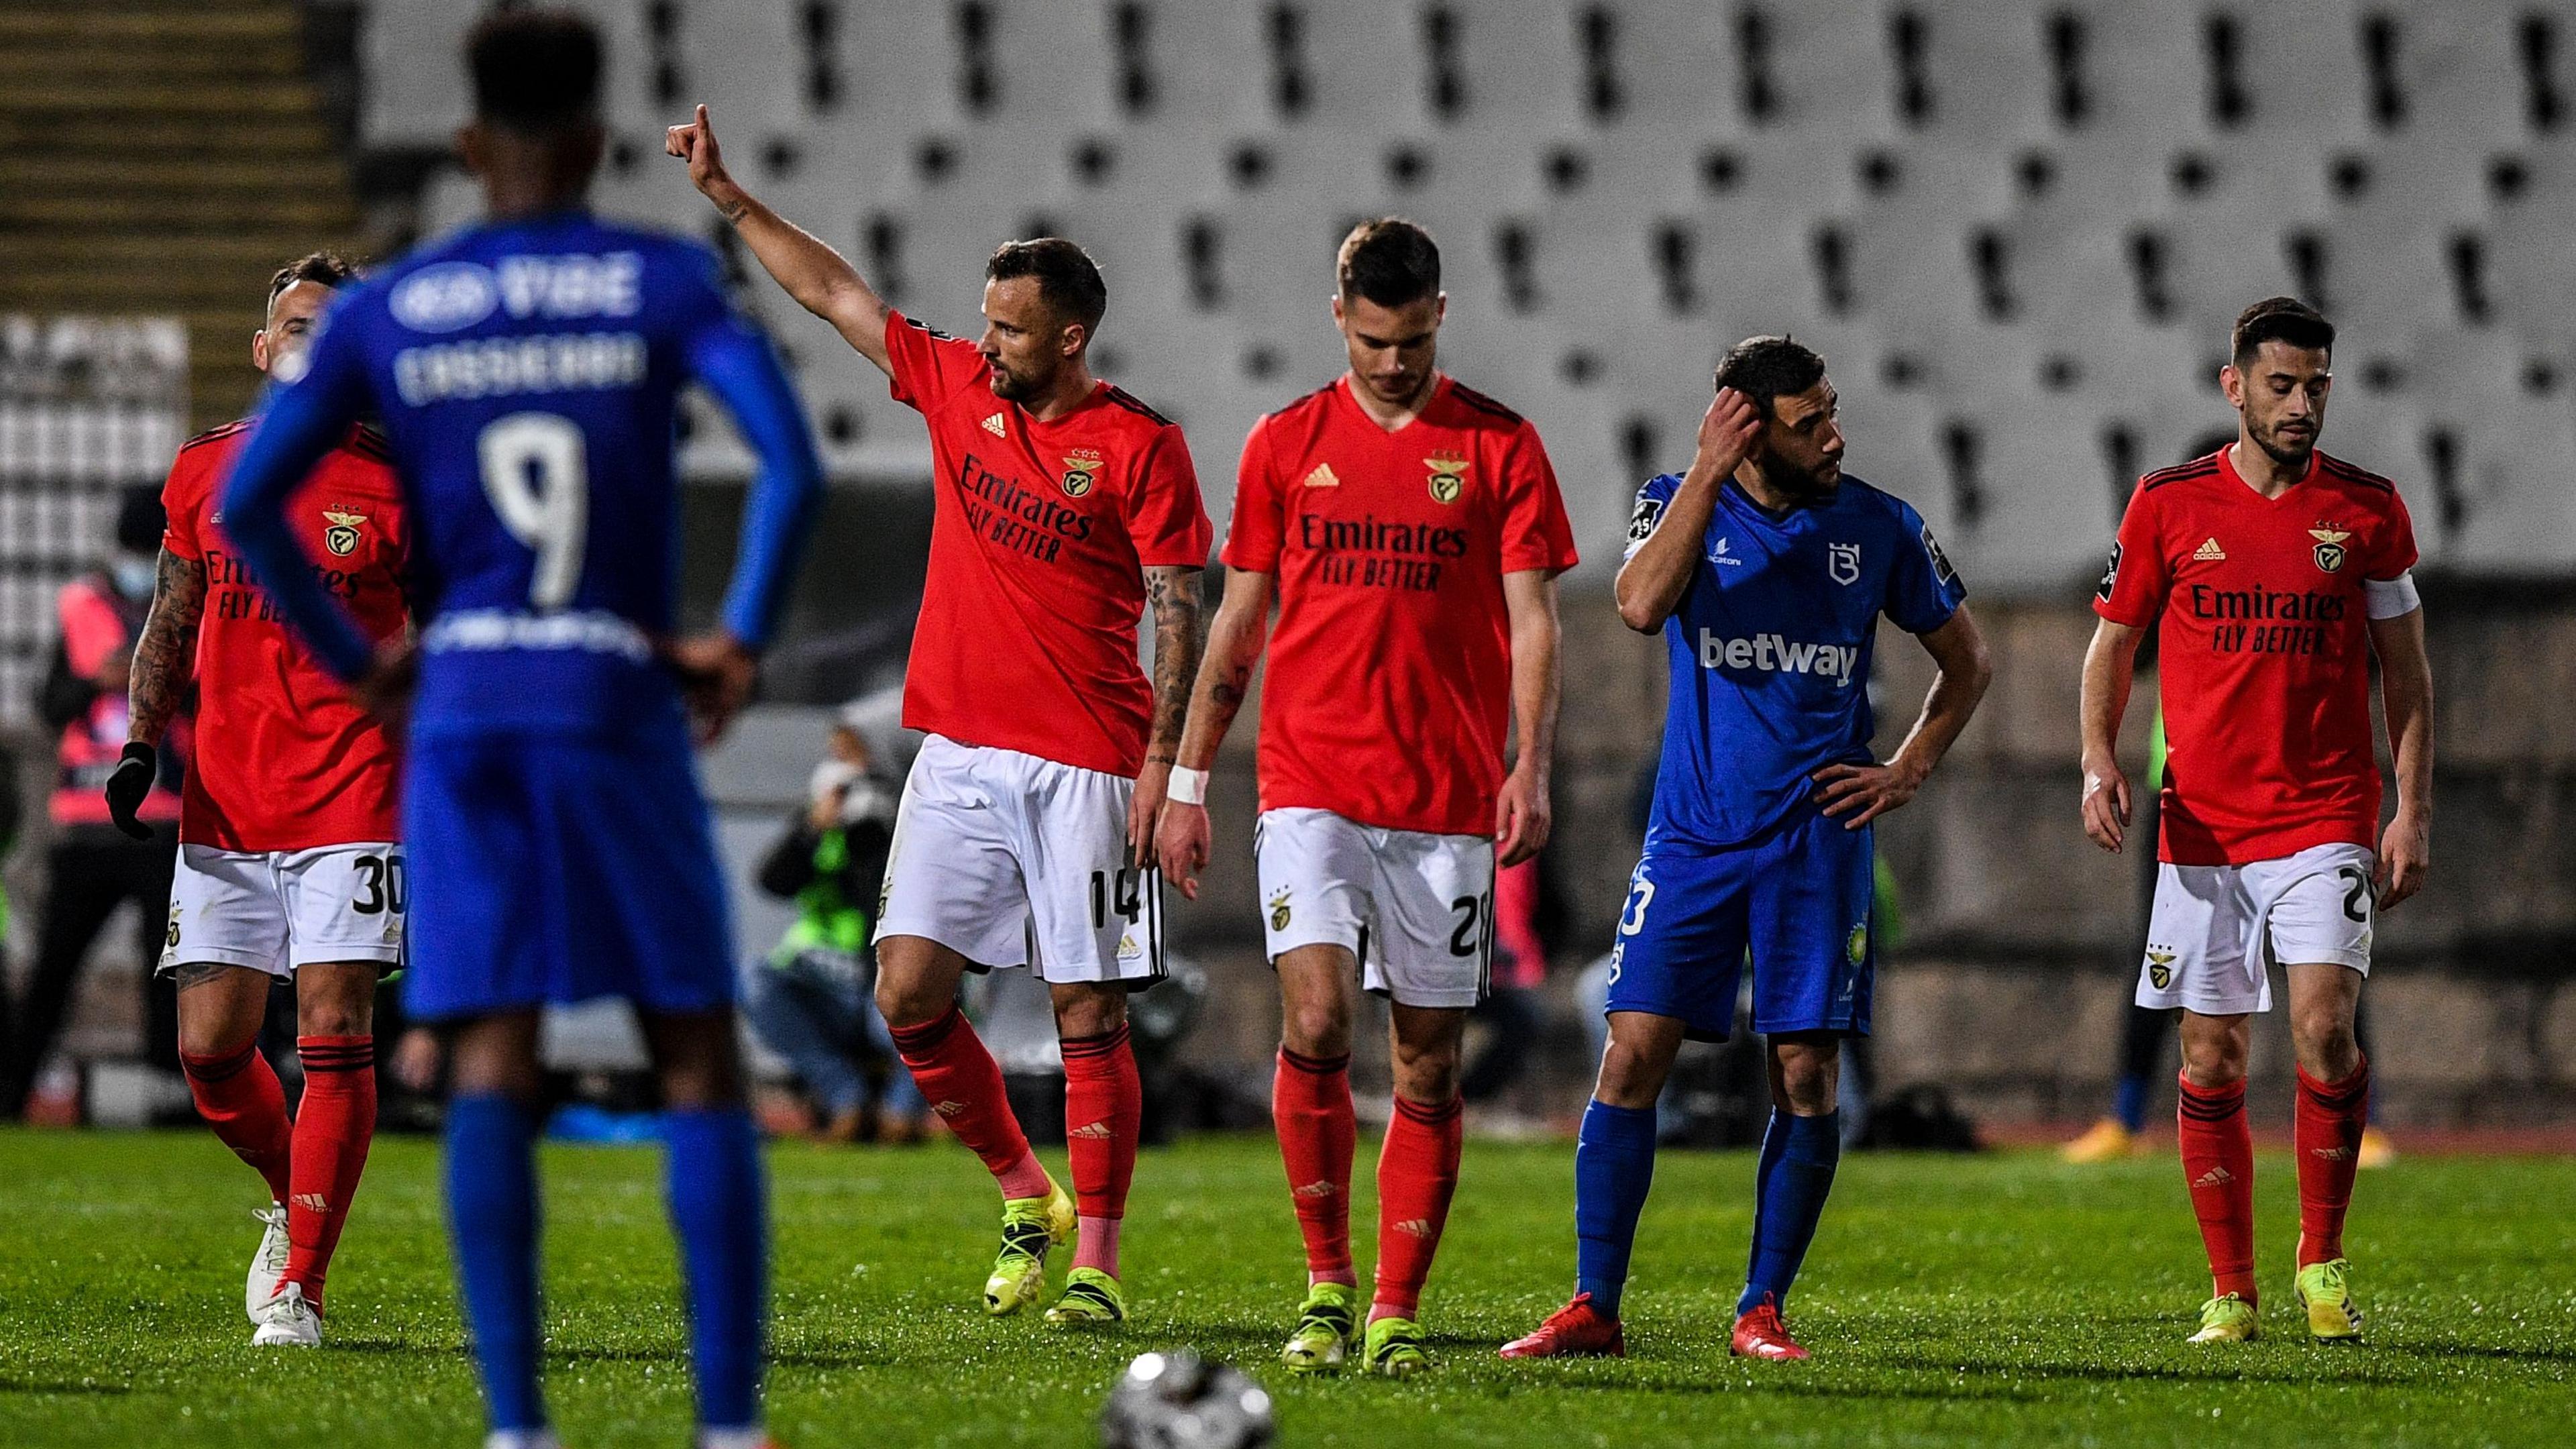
(1765, 368)
(2279, 319)
(1389, 261)
(323, 269)
(1068, 279)
(534, 70)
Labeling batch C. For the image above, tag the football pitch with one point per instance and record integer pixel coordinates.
(2003, 1299)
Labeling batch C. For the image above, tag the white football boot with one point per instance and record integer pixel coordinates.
(287, 1321)
(269, 1263)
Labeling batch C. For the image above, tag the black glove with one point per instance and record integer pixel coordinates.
(128, 784)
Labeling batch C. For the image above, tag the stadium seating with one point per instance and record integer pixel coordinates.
(2018, 227)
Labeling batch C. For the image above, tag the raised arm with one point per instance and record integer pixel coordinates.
(820, 279)
(1523, 814)
(1651, 583)
(1858, 794)
(2110, 668)
(2406, 692)
(1173, 590)
(1234, 641)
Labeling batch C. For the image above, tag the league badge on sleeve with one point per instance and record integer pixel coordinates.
(1641, 523)
(2110, 576)
(1941, 561)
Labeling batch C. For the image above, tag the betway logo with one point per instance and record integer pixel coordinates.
(1774, 655)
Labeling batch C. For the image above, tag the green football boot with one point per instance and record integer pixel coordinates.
(2326, 1293)
(1394, 1348)
(1322, 1338)
(2227, 1320)
(1090, 1297)
(1031, 1226)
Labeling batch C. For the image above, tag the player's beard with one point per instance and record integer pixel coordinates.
(1801, 487)
(2291, 452)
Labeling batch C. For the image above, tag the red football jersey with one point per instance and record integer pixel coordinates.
(285, 759)
(1038, 543)
(1390, 675)
(2264, 644)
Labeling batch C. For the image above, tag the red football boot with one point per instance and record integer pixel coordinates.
(1761, 1334)
(1577, 1329)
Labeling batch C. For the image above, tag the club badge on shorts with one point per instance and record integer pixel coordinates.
(1448, 478)
(341, 537)
(2159, 968)
(1079, 467)
(1279, 909)
(2329, 550)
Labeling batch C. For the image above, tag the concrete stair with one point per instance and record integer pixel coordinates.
(164, 157)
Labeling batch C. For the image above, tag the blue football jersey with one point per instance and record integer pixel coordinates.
(526, 375)
(1770, 650)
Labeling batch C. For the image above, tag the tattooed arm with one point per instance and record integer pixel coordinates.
(1174, 593)
(1234, 644)
(165, 657)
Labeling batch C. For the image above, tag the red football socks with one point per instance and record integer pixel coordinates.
(333, 1129)
(1416, 1175)
(2327, 1136)
(1104, 1108)
(963, 1084)
(2218, 1163)
(1310, 1103)
(239, 1096)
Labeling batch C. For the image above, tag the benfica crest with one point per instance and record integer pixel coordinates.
(2329, 550)
(1078, 471)
(1448, 478)
(341, 536)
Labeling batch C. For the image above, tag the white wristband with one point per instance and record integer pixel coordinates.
(1189, 787)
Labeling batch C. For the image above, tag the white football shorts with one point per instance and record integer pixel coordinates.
(2215, 928)
(277, 910)
(1011, 860)
(1416, 909)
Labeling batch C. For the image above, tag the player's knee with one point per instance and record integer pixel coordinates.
(2216, 1061)
(1089, 1010)
(904, 999)
(1315, 1029)
(348, 1011)
(2324, 1042)
(1631, 1075)
(1427, 1073)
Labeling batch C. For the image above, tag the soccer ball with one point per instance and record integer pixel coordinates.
(1179, 1400)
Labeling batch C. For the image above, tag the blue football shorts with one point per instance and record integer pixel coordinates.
(1793, 903)
(550, 869)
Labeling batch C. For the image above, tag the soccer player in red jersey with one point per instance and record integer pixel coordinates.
(1411, 531)
(1025, 836)
(2273, 573)
(289, 867)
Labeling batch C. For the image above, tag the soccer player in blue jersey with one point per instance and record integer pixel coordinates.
(1767, 570)
(525, 370)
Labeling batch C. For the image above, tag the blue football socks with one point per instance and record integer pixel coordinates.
(492, 1224)
(1614, 1166)
(718, 1210)
(1789, 1188)
(2129, 1104)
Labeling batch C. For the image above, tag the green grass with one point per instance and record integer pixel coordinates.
(1995, 1300)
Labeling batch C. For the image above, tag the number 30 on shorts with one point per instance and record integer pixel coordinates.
(380, 885)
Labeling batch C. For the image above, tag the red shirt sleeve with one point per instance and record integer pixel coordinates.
(1252, 537)
(2396, 552)
(1536, 532)
(2134, 585)
(930, 367)
(1165, 515)
(179, 503)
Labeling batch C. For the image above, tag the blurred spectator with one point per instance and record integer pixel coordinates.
(92, 867)
(1512, 1008)
(812, 1000)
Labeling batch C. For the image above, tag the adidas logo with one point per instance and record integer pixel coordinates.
(1090, 1131)
(311, 1202)
(997, 427)
(1323, 477)
(948, 1109)
(1313, 1189)
(1415, 1227)
(2215, 1177)
(2330, 1154)
(2210, 552)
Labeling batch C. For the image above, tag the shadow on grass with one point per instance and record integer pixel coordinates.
(2449, 1349)
(2112, 1373)
(1803, 1389)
